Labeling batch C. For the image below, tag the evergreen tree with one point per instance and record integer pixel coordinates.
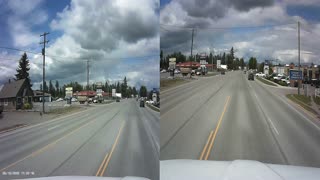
(57, 89)
(23, 70)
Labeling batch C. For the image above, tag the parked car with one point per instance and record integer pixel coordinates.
(141, 103)
(260, 74)
(163, 71)
(118, 99)
(244, 72)
(74, 100)
(223, 72)
(177, 71)
(251, 76)
(60, 99)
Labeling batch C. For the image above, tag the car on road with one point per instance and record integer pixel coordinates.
(118, 100)
(244, 72)
(223, 72)
(163, 71)
(74, 100)
(141, 103)
(59, 100)
(177, 71)
(251, 76)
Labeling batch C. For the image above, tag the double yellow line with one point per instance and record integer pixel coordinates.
(209, 145)
(107, 157)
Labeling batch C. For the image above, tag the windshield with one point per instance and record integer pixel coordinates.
(271, 114)
(69, 105)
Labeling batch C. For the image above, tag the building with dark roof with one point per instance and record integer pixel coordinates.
(15, 94)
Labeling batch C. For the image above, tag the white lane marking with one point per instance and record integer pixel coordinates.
(299, 113)
(274, 127)
(54, 127)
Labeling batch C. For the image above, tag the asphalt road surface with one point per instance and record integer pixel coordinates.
(227, 117)
(114, 140)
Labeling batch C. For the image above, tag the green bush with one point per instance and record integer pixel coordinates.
(27, 106)
(282, 83)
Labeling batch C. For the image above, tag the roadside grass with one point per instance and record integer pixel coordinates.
(265, 81)
(153, 108)
(316, 100)
(168, 83)
(302, 98)
(304, 102)
(64, 110)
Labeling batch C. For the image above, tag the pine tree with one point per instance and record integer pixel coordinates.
(57, 89)
(23, 70)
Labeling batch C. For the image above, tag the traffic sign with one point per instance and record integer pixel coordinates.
(295, 74)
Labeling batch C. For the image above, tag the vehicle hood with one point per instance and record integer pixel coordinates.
(233, 170)
(87, 178)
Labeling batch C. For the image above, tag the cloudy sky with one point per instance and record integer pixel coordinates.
(120, 38)
(266, 29)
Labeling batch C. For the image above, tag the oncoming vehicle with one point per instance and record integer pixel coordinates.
(251, 77)
(141, 103)
(223, 72)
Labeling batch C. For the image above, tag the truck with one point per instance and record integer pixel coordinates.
(185, 71)
(82, 99)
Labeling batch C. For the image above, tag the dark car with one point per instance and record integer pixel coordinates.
(223, 72)
(141, 103)
(244, 72)
(251, 76)
(118, 100)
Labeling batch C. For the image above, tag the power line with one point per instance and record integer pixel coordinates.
(15, 49)
(82, 58)
(231, 27)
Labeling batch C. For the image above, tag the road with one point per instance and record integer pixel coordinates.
(227, 117)
(114, 140)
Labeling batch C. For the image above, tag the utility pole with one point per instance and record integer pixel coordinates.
(87, 82)
(191, 52)
(44, 42)
(299, 57)
(192, 41)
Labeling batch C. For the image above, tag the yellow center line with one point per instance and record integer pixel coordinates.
(217, 128)
(100, 168)
(46, 147)
(205, 147)
(112, 149)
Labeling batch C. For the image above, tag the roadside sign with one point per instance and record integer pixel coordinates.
(203, 62)
(295, 74)
(69, 91)
(172, 59)
(99, 85)
(218, 63)
(113, 92)
(172, 65)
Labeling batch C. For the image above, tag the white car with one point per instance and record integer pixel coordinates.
(74, 100)
(59, 100)
(278, 77)
(163, 71)
(260, 74)
(149, 102)
(176, 71)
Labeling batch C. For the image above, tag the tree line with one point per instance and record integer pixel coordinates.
(228, 59)
(56, 90)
